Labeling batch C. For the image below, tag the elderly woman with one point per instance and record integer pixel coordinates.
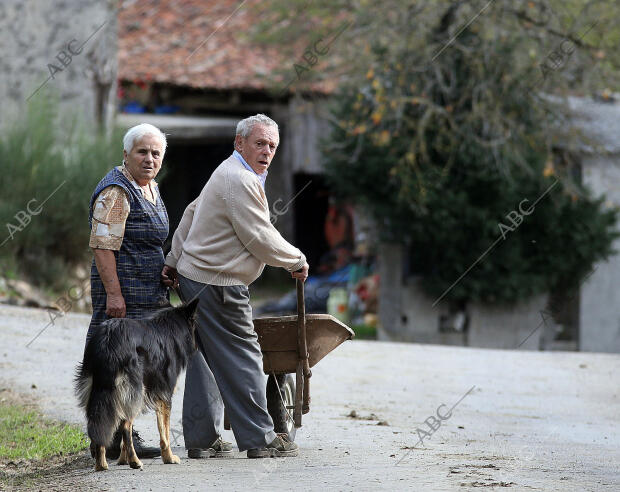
(129, 225)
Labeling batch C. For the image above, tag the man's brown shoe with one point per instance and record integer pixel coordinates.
(280, 447)
(219, 449)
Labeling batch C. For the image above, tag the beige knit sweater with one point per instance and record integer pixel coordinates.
(225, 236)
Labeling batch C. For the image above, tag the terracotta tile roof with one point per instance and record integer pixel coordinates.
(195, 43)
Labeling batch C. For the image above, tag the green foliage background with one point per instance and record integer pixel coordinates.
(37, 155)
(454, 218)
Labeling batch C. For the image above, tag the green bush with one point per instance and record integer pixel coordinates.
(37, 156)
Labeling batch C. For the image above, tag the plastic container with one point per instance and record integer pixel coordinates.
(338, 304)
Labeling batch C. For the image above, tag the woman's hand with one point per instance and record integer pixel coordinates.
(169, 277)
(106, 266)
(115, 306)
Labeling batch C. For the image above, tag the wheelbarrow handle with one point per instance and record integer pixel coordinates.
(302, 396)
(301, 303)
(302, 344)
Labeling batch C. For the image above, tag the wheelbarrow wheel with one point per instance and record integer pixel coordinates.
(278, 389)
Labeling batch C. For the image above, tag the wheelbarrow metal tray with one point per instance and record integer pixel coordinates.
(278, 340)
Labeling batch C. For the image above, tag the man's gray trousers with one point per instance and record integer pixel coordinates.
(228, 366)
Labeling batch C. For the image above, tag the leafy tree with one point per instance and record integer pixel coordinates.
(537, 236)
(448, 115)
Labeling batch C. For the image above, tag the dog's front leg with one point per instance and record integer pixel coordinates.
(130, 452)
(100, 462)
(163, 426)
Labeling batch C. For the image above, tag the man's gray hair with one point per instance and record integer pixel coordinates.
(139, 131)
(244, 127)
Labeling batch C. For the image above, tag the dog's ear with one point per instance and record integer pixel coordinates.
(190, 308)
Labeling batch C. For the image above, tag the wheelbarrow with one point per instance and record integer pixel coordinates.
(293, 345)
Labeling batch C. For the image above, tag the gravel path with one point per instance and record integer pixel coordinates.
(522, 420)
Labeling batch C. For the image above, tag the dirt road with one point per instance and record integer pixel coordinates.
(522, 420)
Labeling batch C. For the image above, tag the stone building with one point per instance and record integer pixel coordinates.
(184, 70)
(61, 49)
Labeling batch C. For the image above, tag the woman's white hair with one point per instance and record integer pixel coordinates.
(244, 127)
(139, 131)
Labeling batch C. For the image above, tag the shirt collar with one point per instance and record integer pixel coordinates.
(152, 184)
(261, 177)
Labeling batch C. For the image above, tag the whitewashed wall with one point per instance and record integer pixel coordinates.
(599, 315)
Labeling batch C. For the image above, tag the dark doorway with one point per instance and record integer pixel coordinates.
(311, 204)
(188, 166)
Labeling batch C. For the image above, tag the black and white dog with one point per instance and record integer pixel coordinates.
(129, 366)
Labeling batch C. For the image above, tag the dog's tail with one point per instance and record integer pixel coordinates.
(97, 398)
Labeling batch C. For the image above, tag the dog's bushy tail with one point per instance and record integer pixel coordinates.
(97, 398)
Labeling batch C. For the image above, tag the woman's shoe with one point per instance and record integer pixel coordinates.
(114, 450)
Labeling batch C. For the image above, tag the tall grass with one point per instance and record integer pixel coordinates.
(39, 153)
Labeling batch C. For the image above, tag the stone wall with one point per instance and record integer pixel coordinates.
(66, 47)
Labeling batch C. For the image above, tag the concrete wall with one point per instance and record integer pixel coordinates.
(599, 317)
(407, 314)
(420, 320)
(507, 327)
(390, 269)
(34, 32)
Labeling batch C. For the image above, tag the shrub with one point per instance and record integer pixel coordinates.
(38, 156)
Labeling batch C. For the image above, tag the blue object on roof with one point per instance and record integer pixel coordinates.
(133, 107)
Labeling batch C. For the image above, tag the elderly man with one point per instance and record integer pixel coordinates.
(222, 244)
